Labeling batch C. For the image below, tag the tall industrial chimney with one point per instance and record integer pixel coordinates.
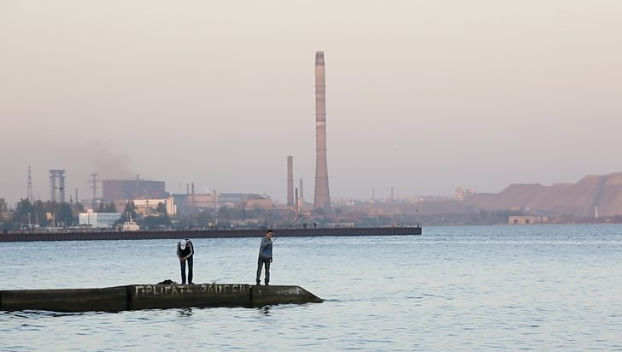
(290, 181)
(322, 194)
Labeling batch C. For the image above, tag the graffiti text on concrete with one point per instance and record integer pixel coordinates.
(173, 290)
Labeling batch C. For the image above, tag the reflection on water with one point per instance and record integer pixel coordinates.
(265, 310)
(184, 312)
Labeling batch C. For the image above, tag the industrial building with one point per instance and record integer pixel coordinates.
(526, 219)
(189, 203)
(98, 220)
(149, 207)
(244, 200)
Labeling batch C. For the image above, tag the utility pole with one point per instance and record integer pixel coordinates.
(31, 199)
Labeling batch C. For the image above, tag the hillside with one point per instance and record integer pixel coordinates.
(578, 199)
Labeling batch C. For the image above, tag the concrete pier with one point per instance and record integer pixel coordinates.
(232, 233)
(160, 296)
(111, 299)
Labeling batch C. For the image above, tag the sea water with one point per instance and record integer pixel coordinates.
(539, 287)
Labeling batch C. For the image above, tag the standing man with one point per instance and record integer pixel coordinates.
(185, 252)
(265, 257)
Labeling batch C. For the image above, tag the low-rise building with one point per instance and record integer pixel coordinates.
(261, 202)
(189, 203)
(526, 219)
(149, 207)
(98, 220)
(459, 194)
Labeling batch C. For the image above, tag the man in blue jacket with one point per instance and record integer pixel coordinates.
(265, 257)
(185, 253)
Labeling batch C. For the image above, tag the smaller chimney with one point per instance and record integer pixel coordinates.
(296, 207)
(290, 181)
(193, 203)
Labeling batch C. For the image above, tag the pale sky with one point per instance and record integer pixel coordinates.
(422, 96)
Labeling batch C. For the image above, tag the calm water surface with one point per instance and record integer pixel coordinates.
(540, 288)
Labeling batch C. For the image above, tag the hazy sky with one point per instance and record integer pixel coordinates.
(422, 96)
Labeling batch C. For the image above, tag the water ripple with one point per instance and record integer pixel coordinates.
(455, 288)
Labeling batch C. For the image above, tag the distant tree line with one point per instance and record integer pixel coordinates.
(45, 214)
(39, 214)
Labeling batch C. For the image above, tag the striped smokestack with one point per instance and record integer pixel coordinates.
(322, 194)
(290, 181)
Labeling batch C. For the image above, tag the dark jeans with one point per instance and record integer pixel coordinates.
(183, 270)
(260, 263)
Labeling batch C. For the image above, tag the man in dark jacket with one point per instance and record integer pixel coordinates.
(185, 253)
(265, 257)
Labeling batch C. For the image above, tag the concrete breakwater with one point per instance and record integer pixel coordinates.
(233, 233)
(160, 296)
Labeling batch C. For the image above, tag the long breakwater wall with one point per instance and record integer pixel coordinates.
(160, 296)
(233, 233)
